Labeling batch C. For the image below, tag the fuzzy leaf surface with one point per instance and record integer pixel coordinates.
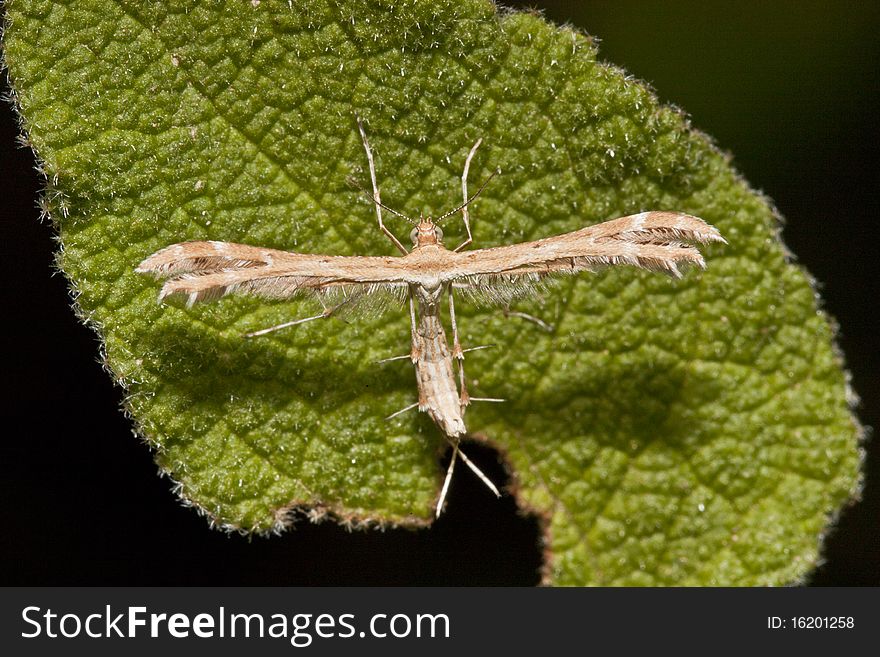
(670, 432)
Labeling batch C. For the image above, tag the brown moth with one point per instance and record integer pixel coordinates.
(654, 240)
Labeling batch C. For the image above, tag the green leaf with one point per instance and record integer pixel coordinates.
(669, 432)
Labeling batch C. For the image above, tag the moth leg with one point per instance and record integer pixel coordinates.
(529, 318)
(376, 197)
(402, 410)
(482, 346)
(324, 314)
(415, 350)
(488, 399)
(457, 453)
(478, 472)
(447, 480)
(464, 210)
(458, 354)
(388, 360)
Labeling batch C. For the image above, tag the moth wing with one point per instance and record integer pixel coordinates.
(658, 241)
(202, 271)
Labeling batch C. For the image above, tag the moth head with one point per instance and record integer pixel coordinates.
(426, 232)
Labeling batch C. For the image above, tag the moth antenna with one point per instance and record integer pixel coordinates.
(354, 183)
(468, 202)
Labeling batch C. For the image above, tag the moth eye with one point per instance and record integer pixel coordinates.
(439, 233)
(414, 236)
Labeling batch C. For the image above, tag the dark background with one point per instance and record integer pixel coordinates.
(789, 87)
